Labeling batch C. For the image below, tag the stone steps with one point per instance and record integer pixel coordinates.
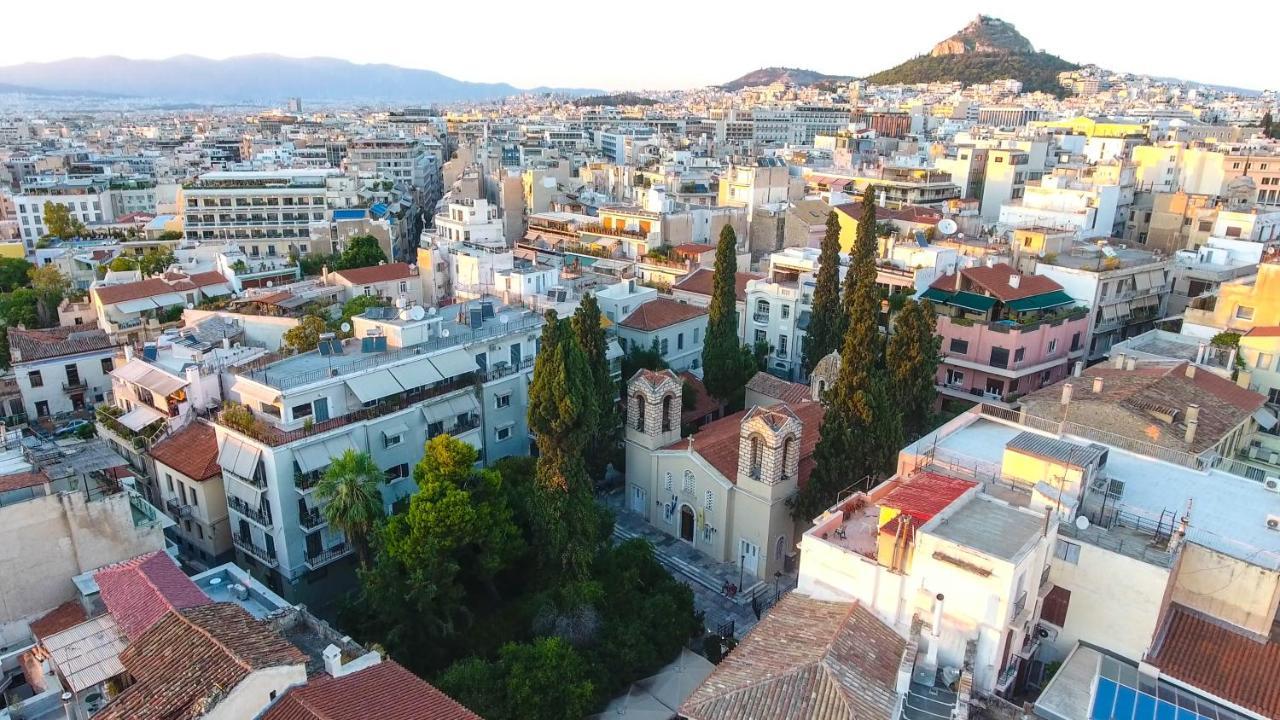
(693, 572)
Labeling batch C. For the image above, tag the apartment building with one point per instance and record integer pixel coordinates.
(1202, 271)
(475, 222)
(1004, 333)
(676, 329)
(264, 212)
(61, 370)
(462, 370)
(763, 181)
(193, 493)
(1238, 305)
(87, 199)
(136, 310)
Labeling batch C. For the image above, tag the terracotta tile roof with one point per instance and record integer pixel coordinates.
(661, 313)
(140, 591)
(168, 283)
(699, 283)
(781, 390)
(29, 345)
(1220, 660)
(693, 249)
(806, 660)
(193, 657)
(18, 481)
(68, 614)
(924, 495)
(703, 403)
(1265, 331)
(385, 691)
(717, 442)
(375, 273)
(192, 451)
(907, 213)
(994, 281)
(1130, 400)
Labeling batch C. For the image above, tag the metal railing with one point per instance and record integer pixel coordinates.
(1019, 605)
(256, 482)
(312, 519)
(258, 515)
(177, 509)
(324, 557)
(247, 545)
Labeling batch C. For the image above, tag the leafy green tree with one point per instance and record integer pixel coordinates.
(541, 680)
(862, 253)
(306, 334)
(169, 236)
(60, 223)
(912, 360)
(1269, 128)
(17, 308)
(353, 502)
(825, 326)
(562, 412)
(723, 370)
(357, 306)
(602, 442)
(638, 358)
(314, 263)
(14, 273)
(50, 286)
(154, 261)
(122, 264)
(361, 251)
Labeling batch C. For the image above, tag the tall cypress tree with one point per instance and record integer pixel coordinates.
(723, 370)
(1269, 129)
(912, 365)
(863, 251)
(825, 328)
(562, 412)
(603, 439)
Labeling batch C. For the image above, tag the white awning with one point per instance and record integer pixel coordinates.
(1146, 301)
(1108, 312)
(132, 371)
(416, 374)
(169, 299)
(1142, 281)
(1265, 418)
(159, 382)
(238, 457)
(215, 290)
(454, 363)
(338, 445)
(374, 386)
(465, 405)
(311, 457)
(438, 412)
(1156, 278)
(133, 306)
(395, 429)
(139, 417)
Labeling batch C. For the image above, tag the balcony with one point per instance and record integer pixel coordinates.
(258, 515)
(762, 318)
(247, 546)
(257, 482)
(1019, 605)
(304, 483)
(312, 520)
(320, 558)
(74, 385)
(177, 510)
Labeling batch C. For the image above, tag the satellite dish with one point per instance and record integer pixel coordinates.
(947, 226)
(271, 283)
(444, 333)
(417, 313)
(191, 306)
(1082, 522)
(431, 311)
(346, 327)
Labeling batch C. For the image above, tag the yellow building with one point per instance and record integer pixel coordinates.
(1095, 127)
(13, 250)
(1238, 306)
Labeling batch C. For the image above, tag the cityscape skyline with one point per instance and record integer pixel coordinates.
(1110, 46)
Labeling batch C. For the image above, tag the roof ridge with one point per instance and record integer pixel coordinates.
(235, 656)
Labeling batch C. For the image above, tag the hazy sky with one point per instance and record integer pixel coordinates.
(655, 44)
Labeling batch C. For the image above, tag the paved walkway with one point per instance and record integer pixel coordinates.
(701, 573)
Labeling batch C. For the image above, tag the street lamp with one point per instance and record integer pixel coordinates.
(742, 560)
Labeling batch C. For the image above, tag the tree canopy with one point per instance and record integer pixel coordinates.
(825, 326)
(60, 223)
(14, 273)
(156, 261)
(306, 334)
(726, 364)
(912, 359)
(353, 501)
(602, 441)
(361, 251)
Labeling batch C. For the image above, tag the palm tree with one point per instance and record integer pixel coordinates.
(354, 503)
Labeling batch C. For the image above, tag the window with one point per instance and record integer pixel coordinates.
(502, 433)
(1273, 396)
(679, 341)
(1054, 610)
(1067, 552)
(688, 481)
(1244, 312)
(106, 363)
(1018, 354)
(959, 347)
(668, 483)
(392, 440)
(762, 307)
(1053, 345)
(195, 499)
(785, 311)
(502, 401)
(302, 411)
(1075, 342)
(169, 480)
(1264, 361)
(782, 346)
(999, 357)
(707, 501)
(762, 336)
(662, 347)
(697, 335)
(42, 408)
(35, 379)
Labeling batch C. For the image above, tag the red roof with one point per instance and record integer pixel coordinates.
(1265, 331)
(375, 273)
(385, 691)
(1219, 659)
(192, 451)
(994, 281)
(699, 283)
(781, 390)
(924, 495)
(170, 282)
(717, 442)
(906, 213)
(68, 614)
(139, 592)
(661, 313)
(18, 481)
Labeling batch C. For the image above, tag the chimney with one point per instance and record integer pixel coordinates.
(1191, 371)
(1117, 361)
(67, 706)
(935, 633)
(1193, 421)
(1014, 280)
(1201, 349)
(1079, 368)
(1066, 393)
(1130, 362)
(332, 660)
(1097, 385)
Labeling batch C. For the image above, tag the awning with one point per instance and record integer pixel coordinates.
(453, 363)
(936, 295)
(1156, 277)
(1146, 301)
(338, 445)
(238, 457)
(133, 306)
(1108, 312)
(972, 301)
(1142, 281)
(609, 264)
(439, 412)
(132, 371)
(395, 429)
(139, 417)
(1057, 298)
(216, 290)
(87, 654)
(374, 386)
(465, 405)
(140, 372)
(1265, 418)
(169, 300)
(416, 374)
(312, 457)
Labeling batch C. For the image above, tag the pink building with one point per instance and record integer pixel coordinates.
(1003, 333)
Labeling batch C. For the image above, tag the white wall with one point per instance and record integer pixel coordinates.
(254, 693)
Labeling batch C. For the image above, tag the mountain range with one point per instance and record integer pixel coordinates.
(788, 76)
(253, 78)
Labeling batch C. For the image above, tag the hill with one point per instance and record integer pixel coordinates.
(789, 76)
(614, 100)
(986, 50)
(253, 78)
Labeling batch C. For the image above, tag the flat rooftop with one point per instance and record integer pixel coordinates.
(991, 527)
(1090, 257)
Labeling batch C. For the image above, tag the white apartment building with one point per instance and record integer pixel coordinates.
(62, 369)
(465, 220)
(88, 201)
(264, 212)
(799, 124)
(676, 329)
(1060, 202)
(462, 370)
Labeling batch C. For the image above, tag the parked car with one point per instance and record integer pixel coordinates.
(69, 427)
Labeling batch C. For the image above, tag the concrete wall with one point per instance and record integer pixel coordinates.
(255, 692)
(46, 541)
(259, 330)
(1226, 588)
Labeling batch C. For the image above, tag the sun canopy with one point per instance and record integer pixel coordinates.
(418, 373)
(972, 302)
(215, 290)
(139, 417)
(454, 363)
(140, 372)
(374, 386)
(311, 457)
(133, 306)
(1057, 298)
(238, 457)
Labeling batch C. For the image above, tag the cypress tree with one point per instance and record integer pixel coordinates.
(1269, 129)
(723, 368)
(562, 413)
(603, 439)
(825, 328)
(912, 361)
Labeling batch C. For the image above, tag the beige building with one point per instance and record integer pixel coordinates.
(191, 488)
(723, 489)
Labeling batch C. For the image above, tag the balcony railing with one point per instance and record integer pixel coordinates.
(305, 482)
(324, 557)
(247, 545)
(1020, 604)
(74, 385)
(312, 520)
(177, 509)
(256, 482)
(760, 317)
(258, 515)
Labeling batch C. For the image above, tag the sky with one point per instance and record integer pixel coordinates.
(651, 44)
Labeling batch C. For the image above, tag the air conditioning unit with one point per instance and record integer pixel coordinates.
(1253, 453)
(1099, 484)
(1274, 459)
(1273, 522)
(1272, 484)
